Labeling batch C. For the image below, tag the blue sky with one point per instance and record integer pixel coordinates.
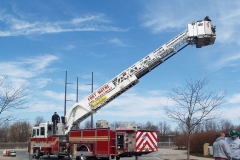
(41, 40)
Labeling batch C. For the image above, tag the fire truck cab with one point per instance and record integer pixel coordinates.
(44, 142)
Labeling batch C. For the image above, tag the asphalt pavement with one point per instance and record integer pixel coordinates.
(161, 154)
(173, 154)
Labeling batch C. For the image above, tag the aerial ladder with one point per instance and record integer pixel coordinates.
(200, 33)
(104, 142)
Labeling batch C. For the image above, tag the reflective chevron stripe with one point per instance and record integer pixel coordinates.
(146, 141)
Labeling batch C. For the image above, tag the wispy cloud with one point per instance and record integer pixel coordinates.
(163, 16)
(42, 82)
(227, 22)
(27, 67)
(137, 105)
(226, 61)
(54, 95)
(69, 47)
(117, 42)
(94, 18)
(16, 27)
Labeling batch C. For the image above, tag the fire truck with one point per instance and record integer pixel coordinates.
(127, 139)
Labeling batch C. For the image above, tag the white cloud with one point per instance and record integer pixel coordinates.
(92, 18)
(69, 47)
(135, 105)
(40, 62)
(59, 97)
(159, 23)
(234, 99)
(163, 16)
(44, 106)
(42, 82)
(231, 60)
(16, 27)
(230, 112)
(54, 95)
(117, 42)
(228, 22)
(27, 67)
(15, 69)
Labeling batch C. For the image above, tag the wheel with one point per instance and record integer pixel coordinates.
(37, 153)
(70, 153)
(91, 158)
(78, 158)
(60, 156)
(84, 158)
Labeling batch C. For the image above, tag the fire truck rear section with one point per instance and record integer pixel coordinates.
(106, 143)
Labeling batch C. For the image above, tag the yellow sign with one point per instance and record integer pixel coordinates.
(99, 100)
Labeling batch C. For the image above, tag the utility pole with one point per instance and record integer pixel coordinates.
(77, 91)
(65, 97)
(92, 92)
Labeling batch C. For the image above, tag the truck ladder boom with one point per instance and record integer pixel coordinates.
(158, 56)
(200, 33)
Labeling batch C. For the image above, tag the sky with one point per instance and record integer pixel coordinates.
(41, 40)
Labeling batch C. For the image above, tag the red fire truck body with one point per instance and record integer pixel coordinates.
(49, 145)
(44, 142)
(103, 142)
(109, 143)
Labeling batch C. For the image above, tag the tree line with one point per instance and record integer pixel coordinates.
(205, 132)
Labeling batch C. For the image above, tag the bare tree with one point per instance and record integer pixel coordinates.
(164, 128)
(164, 131)
(115, 124)
(194, 105)
(12, 97)
(198, 128)
(87, 124)
(19, 132)
(225, 125)
(181, 128)
(211, 126)
(39, 119)
(4, 130)
(150, 126)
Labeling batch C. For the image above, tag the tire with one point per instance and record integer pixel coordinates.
(70, 153)
(84, 158)
(60, 156)
(37, 153)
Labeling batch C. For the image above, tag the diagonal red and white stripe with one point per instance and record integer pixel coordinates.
(146, 141)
